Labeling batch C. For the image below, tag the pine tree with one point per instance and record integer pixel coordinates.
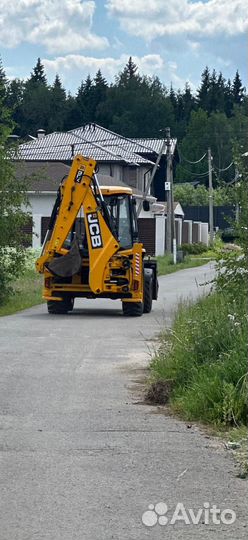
(85, 102)
(238, 90)
(129, 74)
(72, 113)
(173, 98)
(228, 99)
(220, 93)
(36, 105)
(203, 91)
(213, 93)
(58, 106)
(99, 96)
(188, 102)
(14, 99)
(38, 74)
(100, 81)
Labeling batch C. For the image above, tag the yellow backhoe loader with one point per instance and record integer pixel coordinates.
(91, 249)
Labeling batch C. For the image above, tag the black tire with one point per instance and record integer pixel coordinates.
(61, 307)
(147, 295)
(132, 309)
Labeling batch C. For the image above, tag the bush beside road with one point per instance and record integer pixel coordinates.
(26, 290)
(200, 369)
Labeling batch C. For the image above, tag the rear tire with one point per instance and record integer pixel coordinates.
(61, 307)
(147, 295)
(132, 309)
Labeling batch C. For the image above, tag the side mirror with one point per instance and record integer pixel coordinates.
(146, 206)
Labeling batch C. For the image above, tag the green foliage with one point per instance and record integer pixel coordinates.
(26, 292)
(188, 195)
(205, 355)
(12, 216)
(205, 130)
(193, 249)
(57, 106)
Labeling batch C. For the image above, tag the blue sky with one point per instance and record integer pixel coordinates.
(172, 40)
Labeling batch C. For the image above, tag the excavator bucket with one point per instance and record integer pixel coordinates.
(67, 265)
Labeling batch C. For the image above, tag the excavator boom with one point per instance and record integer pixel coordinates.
(76, 193)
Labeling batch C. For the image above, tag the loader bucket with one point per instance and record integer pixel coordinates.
(66, 265)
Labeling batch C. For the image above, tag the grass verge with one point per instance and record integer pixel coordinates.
(166, 266)
(26, 293)
(200, 370)
(204, 361)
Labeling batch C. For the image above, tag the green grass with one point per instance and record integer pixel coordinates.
(27, 292)
(166, 266)
(205, 359)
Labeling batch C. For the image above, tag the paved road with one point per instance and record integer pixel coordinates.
(81, 457)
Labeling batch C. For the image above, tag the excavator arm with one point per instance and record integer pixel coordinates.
(80, 189)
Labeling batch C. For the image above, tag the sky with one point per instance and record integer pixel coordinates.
(173, 40)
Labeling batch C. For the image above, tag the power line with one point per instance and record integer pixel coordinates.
(192, 173)
(191, 162)
(226, 168)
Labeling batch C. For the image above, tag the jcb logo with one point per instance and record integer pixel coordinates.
(94, 230)
(79, 175)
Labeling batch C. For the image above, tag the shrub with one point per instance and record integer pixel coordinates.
(193, 249)
(204, 357)
(13, 199)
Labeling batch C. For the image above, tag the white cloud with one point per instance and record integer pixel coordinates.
(172, 65)
(83, 65)
(157, 18)
(194, 46)
(223, 61)
(62, 26)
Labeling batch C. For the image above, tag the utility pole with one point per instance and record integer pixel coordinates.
(171, 246)
(149, 183)
(210, 197)
(168, 190)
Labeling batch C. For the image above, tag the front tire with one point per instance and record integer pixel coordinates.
(60, 308)
(132, 309)
(147, 295)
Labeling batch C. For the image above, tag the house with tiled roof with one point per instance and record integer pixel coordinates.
(128, 160)
(44, 161)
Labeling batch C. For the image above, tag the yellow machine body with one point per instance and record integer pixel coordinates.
(104, 269)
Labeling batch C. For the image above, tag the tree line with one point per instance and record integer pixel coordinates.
(136, 105)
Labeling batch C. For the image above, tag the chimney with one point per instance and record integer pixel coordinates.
(41, 133)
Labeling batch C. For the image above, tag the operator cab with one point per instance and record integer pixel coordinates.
(123, 218)
(121, 208)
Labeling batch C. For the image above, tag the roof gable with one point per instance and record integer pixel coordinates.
(93, 141)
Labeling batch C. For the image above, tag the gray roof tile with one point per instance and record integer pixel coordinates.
(93, 141)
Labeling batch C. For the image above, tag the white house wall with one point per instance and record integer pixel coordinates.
(41, 205)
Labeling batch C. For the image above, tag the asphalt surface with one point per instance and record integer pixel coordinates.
(82, 458)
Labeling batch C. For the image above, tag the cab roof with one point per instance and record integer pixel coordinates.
(116, 190)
